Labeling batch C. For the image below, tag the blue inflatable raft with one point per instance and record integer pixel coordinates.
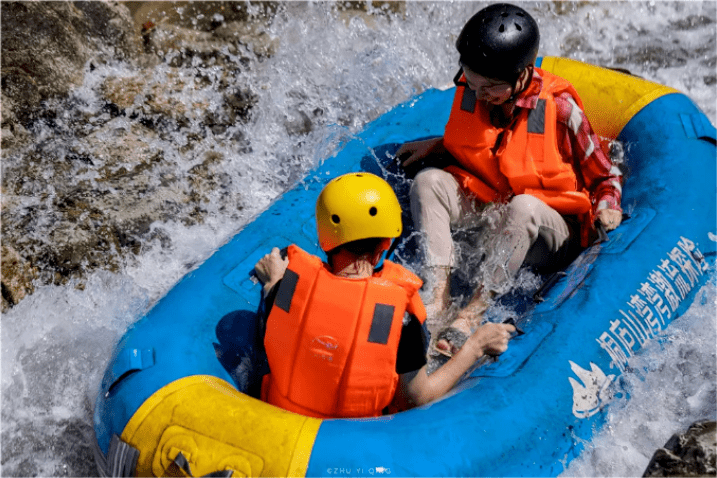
(172, 400)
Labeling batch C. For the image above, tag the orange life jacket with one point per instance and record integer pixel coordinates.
(332, 342)
(497, 163)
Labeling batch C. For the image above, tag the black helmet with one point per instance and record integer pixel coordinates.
(499, 42)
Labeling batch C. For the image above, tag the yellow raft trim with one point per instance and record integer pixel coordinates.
(610, 98)
(216, 428)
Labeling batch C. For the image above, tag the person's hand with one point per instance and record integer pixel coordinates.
(410, 155)
(270, 268)
(490, 339)
(610, 218)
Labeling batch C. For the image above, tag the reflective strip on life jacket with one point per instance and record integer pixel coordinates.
(332, 342)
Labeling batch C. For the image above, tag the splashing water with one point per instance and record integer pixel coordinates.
(672, 385)
(331, 74)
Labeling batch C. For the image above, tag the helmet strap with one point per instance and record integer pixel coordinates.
(392, 247)
(389, 246)
(457, 79)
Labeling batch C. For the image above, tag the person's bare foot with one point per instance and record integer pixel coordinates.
(451, 339)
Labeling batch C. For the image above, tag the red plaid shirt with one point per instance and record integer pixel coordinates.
(576, 139)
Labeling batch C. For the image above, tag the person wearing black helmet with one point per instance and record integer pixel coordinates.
(517, 136)
(499, 43)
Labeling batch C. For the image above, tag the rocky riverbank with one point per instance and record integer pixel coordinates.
(79, 187)
(91, 172)
(689, 453)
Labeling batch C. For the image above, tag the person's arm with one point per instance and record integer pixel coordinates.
(270, 269)
(601, 177)
(414, 151)
(418, 387)
(418, 155)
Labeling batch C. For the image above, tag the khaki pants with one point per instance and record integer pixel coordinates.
(524, 232)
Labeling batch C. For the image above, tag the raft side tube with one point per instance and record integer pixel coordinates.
(217, 428)
(527, 425)
(611, 98)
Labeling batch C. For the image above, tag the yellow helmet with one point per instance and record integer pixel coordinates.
(356, 206)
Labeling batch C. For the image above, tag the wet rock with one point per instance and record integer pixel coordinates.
(691, 22)
(691, 453)
(252, 35)
(13, 134)
(205, 32)
(216, 57)
(154, 98)
(86, 189)
(183, 99)
(576, 43)
(46, 44)
(88, 184)
(653, 55)
(17, 277)
(566, 8)
(129, 189)
(201, 16)
(380, 7)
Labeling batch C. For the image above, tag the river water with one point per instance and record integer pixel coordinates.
(331, 74)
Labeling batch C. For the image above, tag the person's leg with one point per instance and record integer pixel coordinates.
(437, 204)
(529, 233)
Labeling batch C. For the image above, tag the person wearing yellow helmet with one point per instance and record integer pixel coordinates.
(357, 207)
(344, 338)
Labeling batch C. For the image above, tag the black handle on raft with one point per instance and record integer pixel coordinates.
(518, 330)
(554, 277)
(602, 233)
(494, 358)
